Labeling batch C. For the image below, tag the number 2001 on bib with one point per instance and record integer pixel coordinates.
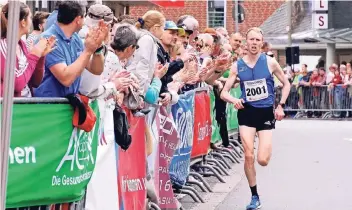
(256, 90)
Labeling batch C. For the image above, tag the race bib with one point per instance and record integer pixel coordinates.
(256, 90)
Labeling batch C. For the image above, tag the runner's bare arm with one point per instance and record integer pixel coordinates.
(225, 94)
(279, 73)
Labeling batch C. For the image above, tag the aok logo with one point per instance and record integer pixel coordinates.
(79, 150)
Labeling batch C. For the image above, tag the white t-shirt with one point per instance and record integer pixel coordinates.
(329, 77)
(91, 82)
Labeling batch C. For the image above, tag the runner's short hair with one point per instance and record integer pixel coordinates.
(255, 29)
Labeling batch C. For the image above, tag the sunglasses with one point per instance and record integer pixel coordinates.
(106, 18)
(135, 46)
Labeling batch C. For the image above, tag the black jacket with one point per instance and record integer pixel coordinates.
(174, 67)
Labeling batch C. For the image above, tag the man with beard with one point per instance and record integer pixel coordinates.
(256, 106)
(167, 41)
(65, 64)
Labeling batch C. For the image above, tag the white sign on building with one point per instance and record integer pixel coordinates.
(320, 21)
(320, 5)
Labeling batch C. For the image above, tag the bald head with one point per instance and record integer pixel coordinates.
(235, 40)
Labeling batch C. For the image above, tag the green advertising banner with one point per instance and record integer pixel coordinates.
(232, 122)
(49, 160)
(215, 134)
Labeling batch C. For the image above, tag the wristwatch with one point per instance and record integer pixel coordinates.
(100, 50)
(282, 105)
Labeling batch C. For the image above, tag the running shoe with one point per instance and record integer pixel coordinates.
(255, 203)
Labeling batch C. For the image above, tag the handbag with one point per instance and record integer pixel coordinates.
(134, 99)
(83, 117)
(121, 126)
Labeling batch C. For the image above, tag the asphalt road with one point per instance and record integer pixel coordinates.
(311, 169)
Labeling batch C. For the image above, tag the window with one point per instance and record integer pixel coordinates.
(216, 13)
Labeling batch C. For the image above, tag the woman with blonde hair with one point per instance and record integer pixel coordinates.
(144, 62)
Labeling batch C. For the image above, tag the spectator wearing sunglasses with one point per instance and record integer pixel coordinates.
(89, 81)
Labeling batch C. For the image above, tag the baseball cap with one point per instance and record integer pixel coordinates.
(171, 25)
(99, 11)
(188, 23)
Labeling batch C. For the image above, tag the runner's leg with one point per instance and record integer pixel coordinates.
(265, 147)
(247, 137)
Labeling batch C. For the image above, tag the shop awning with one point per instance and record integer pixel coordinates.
(341, 36)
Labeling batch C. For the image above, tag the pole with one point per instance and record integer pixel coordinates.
(289, 22)
(289, 30)
(236, 16)
(9, 82)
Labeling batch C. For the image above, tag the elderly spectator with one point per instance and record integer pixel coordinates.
(235, 41)
(64, 65)
(30, 62)
(143, 64)
(216, 47)
(39, 20)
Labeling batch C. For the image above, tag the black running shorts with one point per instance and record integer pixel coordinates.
(259, 118)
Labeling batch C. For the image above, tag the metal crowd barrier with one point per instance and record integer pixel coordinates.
(318, 101)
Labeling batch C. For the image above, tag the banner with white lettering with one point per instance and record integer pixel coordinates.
(202, 124)
(184, 117)
(168, 141)
(49, 160)
(102, 188)
(131, 167)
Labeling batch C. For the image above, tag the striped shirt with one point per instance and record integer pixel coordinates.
(26, 64)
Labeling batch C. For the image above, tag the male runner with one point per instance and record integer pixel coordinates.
(256, 105)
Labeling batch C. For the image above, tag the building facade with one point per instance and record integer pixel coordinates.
(216, 13)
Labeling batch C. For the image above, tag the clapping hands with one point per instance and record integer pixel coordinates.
(96, 37)
(44, 46)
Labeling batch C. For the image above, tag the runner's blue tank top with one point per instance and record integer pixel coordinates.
(257, 84)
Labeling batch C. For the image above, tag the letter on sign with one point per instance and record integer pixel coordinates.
(320, 21)
(320, 5)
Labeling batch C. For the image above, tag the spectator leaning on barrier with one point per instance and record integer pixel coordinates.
(30, 62)
(167, 42)
(39, 20)
(124, 45)
(65, 64)
(89, 81)
(144, 61)
(343, 71)
(191, 26)
(331, 74)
